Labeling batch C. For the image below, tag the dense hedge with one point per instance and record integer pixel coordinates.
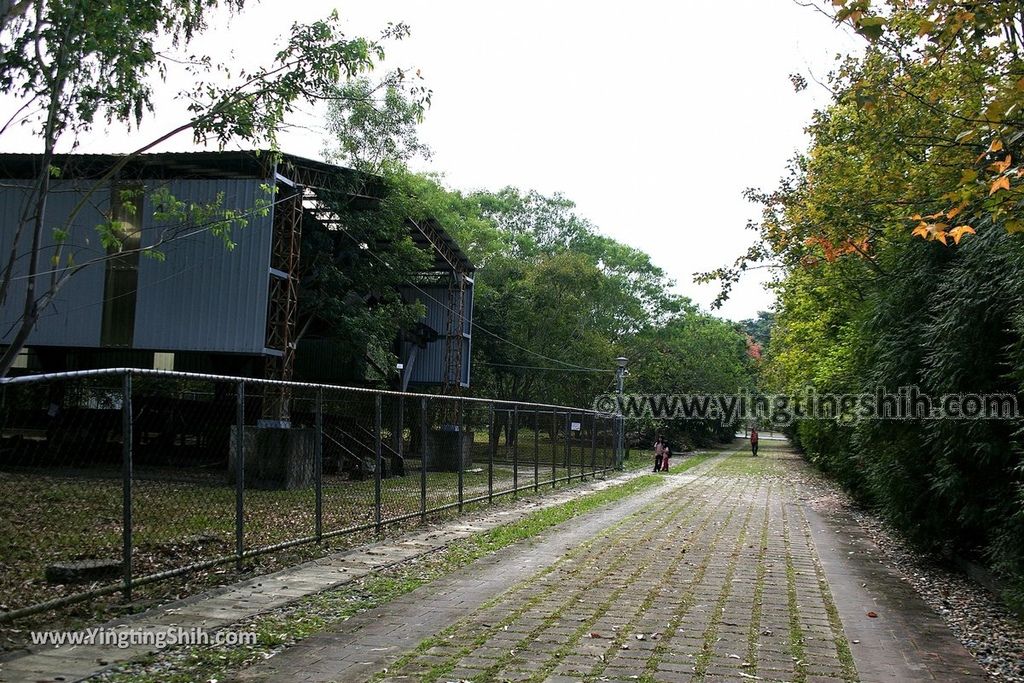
(947, 322)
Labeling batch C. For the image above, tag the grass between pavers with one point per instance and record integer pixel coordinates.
(754, 634)
(843, 651)
(711, 632)
(442, 641)
(689, 596)
(315, 613)
(796, 633)
(441, 670)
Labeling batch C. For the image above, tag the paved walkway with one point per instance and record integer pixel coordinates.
(729, 572)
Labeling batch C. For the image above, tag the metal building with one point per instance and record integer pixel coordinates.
(202, 305)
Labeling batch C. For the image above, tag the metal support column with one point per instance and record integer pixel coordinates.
(554, 448)
(423, 460)
(568, 448)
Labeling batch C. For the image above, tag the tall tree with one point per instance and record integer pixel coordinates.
(899, 259)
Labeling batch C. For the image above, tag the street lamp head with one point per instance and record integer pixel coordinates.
(622, 361)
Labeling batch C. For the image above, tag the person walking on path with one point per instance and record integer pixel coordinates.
(753, 441)
(666, 453)
(659, 453)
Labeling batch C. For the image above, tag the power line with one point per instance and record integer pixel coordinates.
(539, 367)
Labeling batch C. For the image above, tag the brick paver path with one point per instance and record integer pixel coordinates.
(716, 576)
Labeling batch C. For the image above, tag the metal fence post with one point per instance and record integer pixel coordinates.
(379, 459)
(536, 450)
(423, 460)
(583, 447)
(608, 463)
(461, 454)
(239, 474)
(554, 448)
(318, 464)
(593, 445)
(126, 485)
(492, 440)
(604, 445)
(399, 434)
(514, 431)
(568, 448)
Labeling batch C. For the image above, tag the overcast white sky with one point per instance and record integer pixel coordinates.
(651, 116)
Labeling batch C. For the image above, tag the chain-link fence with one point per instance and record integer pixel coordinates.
(110, 479)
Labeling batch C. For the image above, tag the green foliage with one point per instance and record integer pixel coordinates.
(555, 302)
(80, 59)
(692, 353)
(373, 126)
(564, 295)
(863, 305)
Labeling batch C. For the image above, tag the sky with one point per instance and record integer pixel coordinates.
(652, 117)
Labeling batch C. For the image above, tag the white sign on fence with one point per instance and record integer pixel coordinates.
(575, 426)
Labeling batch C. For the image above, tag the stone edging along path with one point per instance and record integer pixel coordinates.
(226, 605)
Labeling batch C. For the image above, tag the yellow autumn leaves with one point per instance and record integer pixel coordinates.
(930, 228)
(935, 227)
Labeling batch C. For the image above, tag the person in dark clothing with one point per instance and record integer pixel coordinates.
(753, 441)
(659, 453)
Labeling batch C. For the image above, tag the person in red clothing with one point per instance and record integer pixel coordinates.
(753, 441)
(666, 453)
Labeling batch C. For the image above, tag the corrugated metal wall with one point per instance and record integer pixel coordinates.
(74, 317)
(467, 339)
(429, 365)
(203, 297)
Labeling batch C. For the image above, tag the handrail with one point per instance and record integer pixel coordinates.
(344, 448)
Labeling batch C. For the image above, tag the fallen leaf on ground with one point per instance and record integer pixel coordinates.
(873, 615)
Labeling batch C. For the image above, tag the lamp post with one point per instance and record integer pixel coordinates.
(620, 422)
